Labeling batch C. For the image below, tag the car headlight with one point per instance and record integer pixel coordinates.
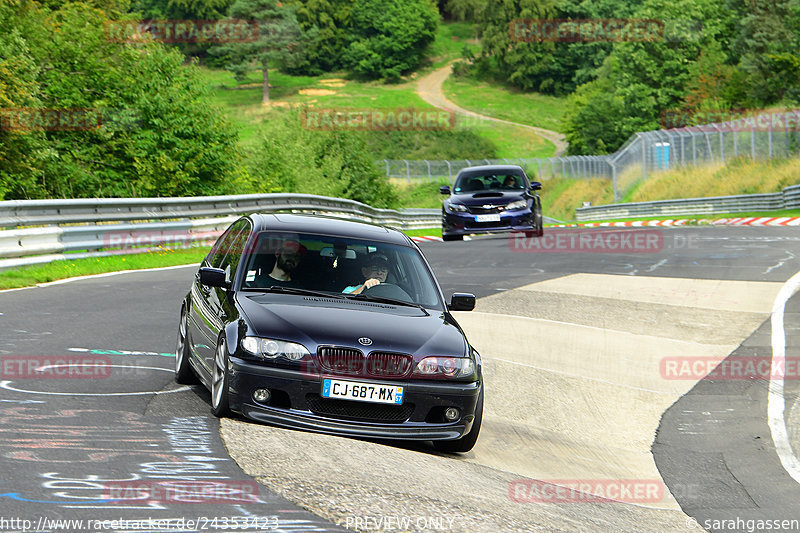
(450, 367)
(272, 348)
(519, 204)
(458, 208)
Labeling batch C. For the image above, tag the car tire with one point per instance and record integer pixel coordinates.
(467, 442)
(452, 237)
(219, 382)
(183, 368)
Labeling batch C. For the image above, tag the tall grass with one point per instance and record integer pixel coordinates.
(739, 176)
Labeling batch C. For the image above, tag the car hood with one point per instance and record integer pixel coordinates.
(315, 321)
(487, 198)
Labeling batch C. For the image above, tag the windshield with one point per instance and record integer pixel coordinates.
(339, 266)
(471, 183)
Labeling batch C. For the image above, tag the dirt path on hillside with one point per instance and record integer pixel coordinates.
(429, 88)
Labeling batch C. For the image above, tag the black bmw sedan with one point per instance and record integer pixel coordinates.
(334, 326)
(491, 199)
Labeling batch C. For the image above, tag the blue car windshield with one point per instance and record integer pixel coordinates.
(340, 266)
(489, 182)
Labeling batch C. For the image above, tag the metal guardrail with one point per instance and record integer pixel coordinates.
(17, 213)
(61, 226)
(789, 198)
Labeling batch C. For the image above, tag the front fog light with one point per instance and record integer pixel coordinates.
(451, 414)
(261, 395)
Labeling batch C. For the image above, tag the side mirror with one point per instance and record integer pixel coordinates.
(213, 277)
(444, 189)
(462, 301)
(536, 186)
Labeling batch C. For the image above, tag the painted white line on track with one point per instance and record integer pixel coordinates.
(775, 400)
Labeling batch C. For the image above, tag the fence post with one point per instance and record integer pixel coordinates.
(644, 156)
(769, 137)
(408, 170)
(449, 169)
(387, 168)
(614, 180)
(429, 169)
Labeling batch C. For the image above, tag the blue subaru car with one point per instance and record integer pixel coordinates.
(491, 199)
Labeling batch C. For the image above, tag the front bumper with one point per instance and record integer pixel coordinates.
(295, 403)
(464, 224)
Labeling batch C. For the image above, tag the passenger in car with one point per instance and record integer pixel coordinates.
(375, 271)
(287, 258)
(510, 182)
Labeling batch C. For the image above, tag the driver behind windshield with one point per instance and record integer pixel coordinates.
(375, 271)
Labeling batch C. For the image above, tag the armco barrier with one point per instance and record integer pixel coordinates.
(789, 198)
(86, 224)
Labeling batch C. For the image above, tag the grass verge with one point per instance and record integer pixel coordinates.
(69, 268)
(694, 219)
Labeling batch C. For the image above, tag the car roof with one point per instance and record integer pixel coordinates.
(328, 225)
(516, 169)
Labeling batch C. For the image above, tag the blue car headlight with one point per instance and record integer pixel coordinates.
(456, 208)
(519, 204)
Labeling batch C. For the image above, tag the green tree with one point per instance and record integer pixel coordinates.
(389, 37)
(328, 21)
(279, 44)
(159, 135)
(769, 35)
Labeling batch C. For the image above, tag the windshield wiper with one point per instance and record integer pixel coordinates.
(385, 300)
(295, 290)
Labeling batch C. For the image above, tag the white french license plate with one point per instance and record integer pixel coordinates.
(487, 218)
(362, 392)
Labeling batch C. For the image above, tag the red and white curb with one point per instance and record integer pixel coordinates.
(747, 221)
(426, 239)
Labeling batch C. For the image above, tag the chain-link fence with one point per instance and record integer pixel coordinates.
(755, 136)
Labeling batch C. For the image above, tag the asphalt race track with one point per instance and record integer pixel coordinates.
(594, 353)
